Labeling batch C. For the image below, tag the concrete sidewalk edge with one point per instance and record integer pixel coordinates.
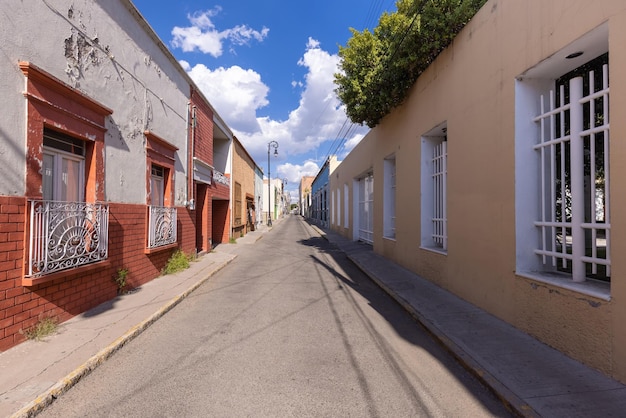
(511, 401)
(49, 396)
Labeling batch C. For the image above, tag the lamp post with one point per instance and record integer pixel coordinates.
(269, 180)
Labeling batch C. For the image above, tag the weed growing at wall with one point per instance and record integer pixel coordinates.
(179, 261)
(43, 328)
(120, 279)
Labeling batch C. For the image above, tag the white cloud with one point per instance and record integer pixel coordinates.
(238, 94)
(202, 35)
(235, 93)
(350, 144)
(318, 118)
(294, 172)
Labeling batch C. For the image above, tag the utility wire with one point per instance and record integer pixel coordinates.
(374, 13)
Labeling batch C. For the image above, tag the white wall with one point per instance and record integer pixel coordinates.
(101, 49)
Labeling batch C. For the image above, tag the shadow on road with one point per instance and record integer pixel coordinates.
(349, 276)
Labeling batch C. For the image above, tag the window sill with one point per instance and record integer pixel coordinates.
(437, 250)
(159, 249)
(34, 281)
(390, 238)
(590, 287)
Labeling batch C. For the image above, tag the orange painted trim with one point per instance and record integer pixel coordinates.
(159, 249)
(56, 105)
(34, 281)
(37, 75)
(160, 152)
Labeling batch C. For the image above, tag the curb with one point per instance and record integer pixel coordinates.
(511, 401)
(48, 397)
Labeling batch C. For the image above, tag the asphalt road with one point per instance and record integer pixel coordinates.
(289, 329)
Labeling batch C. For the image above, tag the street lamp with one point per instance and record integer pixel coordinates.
(269, 180)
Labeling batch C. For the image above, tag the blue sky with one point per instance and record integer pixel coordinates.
(267, 68)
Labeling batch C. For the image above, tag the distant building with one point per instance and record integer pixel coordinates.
(319, 212)
(304, 195)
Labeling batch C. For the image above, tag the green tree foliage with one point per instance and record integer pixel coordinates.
(379, 68)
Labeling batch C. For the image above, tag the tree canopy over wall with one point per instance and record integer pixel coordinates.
(378, 68)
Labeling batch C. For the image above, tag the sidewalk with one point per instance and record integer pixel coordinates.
(531, 378)
(528, 376)
(33, 374)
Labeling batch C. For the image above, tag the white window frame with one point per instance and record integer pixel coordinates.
(364, 210)
(389, 198)
(338, 218)
(434, 185)
(332, 208)
(541, 254)
(346, 212)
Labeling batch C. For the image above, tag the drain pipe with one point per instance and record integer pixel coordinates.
(191, 115)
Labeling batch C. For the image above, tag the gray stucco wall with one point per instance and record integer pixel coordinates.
(105, 50)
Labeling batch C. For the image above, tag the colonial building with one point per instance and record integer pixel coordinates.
(304, 195)
(500, 177)
(319, 211)
(244, 201)
(112, 159)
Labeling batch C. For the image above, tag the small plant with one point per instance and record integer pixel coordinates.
(43, 328)
(232, 240)
(120, 279)
(179, 261)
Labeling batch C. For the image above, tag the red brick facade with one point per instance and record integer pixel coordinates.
(54, 106)
(221, 224)
(212, 200)
(74, 293)
(203, 143)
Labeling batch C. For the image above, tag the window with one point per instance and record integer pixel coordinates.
(389, 199)
(338, 218)
(63, 174)
(64, 177)
(237, 204)
(162, 215)
(324, 195)
(366, 208)
(346, 215)
(333, 207)
(562, 168)
(434, 189)
(157, 188)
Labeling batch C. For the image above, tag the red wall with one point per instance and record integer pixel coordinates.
(203, 138)
(221, 224)
(73, 294)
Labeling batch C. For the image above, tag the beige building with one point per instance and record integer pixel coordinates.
(495, 179)
(243, 181)
(304, 192)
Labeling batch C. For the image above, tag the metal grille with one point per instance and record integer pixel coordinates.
(439, 178)
(366, 209)
(162, 226)
(65, 235)
(573, 147)
(219, 177)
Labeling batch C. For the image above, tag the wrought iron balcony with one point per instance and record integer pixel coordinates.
(220, 178)
(64, 235)
(162, 226)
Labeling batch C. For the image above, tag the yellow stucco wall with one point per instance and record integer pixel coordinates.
(243, 173)
(471, 86)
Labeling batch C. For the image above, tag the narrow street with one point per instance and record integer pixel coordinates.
(289, 328)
